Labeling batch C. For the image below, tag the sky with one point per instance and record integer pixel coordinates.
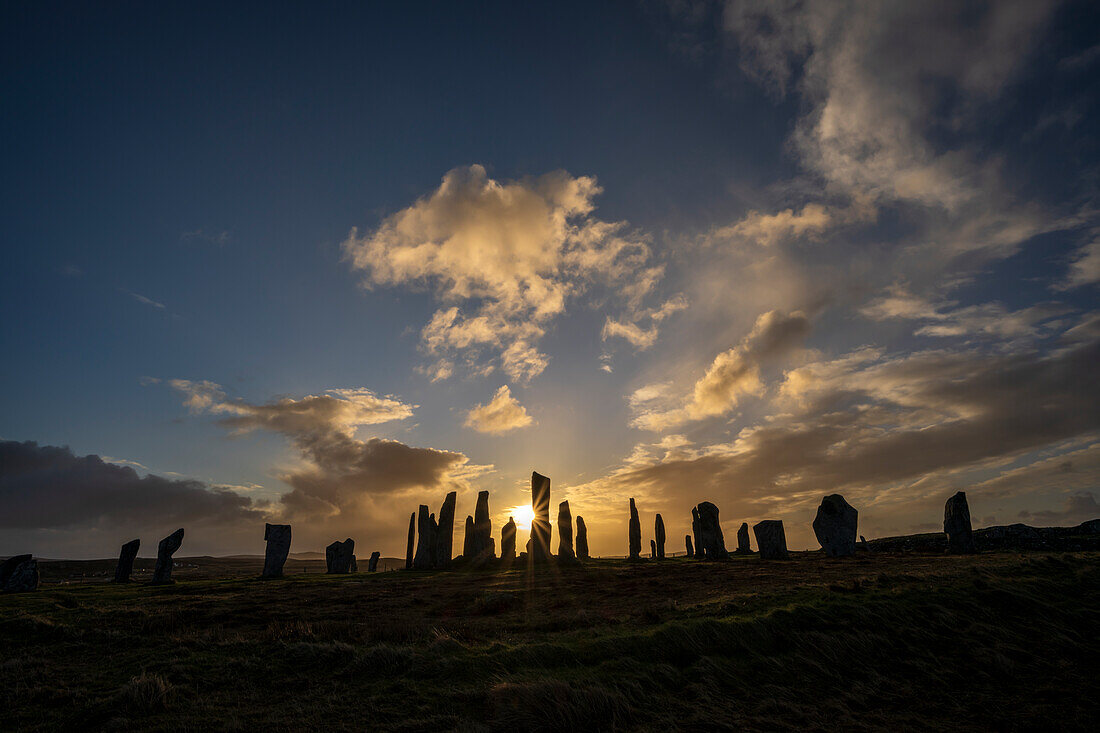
(322, 263)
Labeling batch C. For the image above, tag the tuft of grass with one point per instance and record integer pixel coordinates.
(144, 694)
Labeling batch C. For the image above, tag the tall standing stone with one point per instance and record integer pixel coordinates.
(411, 543)
(687, 544)
(710, 543)
(659, 537)
(695, 532)
(743, 547)
(19, 574)
(468, 539)
(956, 524)
(634, 536)
(126, 561)
(372, 564)
(423, 558)
(340, 557)
(835, 526)
(445, 530)
(770, 539)
(582, 539)
(278, 548)
(653, 549)
(508, 540)
(539, 548)
(162, 572)
(565, 532)
(482, 546)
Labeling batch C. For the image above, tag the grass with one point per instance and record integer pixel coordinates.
(999, 641)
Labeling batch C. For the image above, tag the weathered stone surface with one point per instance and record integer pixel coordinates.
(468, 539)
(411, 543)
(482, 543)
(695, 532)
(442, 547)
(956, 525)
(835, 526)
(278, 547)
(162, 572)
(126, 561)
(19, 574)
(423, 558)
(771, 540)
(372, 564)
(690, 548)
(710, 543)
(565, 532)
(582, 539)
(743, 547)
(508, 540)
(539, 546)
(635, 532)
(659, 537)
(340, 557)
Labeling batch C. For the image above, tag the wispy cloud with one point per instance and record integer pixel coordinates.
(500, 415)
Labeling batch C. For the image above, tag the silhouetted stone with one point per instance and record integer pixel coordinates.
(468, 539)
(956, 525)
(372, 564)
(835, 526)
(863, 544)
(162, 572)
(710, 543)
(278, 547)
(539, 546)
(423, 558)
(743, 547)
(411, 543)
(635, 532)
(565, 532)
(695, 532)
(508, 540)
(19, 574)
(444, 533)
(340, 557)
(653, 549)
(659, 537)
(771, 540)
(687, 543)
(126, 561)
(582, 539)
(482, 543)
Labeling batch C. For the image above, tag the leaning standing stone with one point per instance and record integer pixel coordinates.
(126, 561)
(743, 540)
(635, 535)
(19, 574)
(835, 526)
(659, 535)
(565, 532)
(340, 557)
(956, 524)
(372, 564)
(162, 573)
(582, 539)
(508, 540)
(771, 540)
(278, 547)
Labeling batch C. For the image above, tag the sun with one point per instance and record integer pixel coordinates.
(523, 515)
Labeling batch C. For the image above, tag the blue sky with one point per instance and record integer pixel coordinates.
(797, 249)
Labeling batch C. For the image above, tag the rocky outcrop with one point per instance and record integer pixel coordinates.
(710, 543)
(409, 548)
(126, 557)
(743, 547)
(372, 564)
(835, 526)
(508, 541)
(162, 572)
(278, 547)
(19, 574)
(340, 557)
(634, 536)
(565, 533)
(771, 540)
(582, 539)
(956, 525)
(690, 548)
(659, 537)
(539, 546)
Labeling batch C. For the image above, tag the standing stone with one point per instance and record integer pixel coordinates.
(340, 557)
(372, 564)
(635, 532)
(508, 540)
(582, 539)
(126, 561)
(659, 537)
(565, 532)
(835, 526)
(19, 574)
(445, 530)
(162, 573)
(695, 532)
(956, 524)
(710, 544)
(278, 547)
(743, 547)
(690, 549)
(482, 546)
(539, 547)
(411, 543)
(653, 549)
(771, 540)
(423, 558)
(468, 540)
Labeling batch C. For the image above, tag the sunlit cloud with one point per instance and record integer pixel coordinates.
(500, 415)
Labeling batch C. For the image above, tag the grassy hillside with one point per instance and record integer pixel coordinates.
(916, 642)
